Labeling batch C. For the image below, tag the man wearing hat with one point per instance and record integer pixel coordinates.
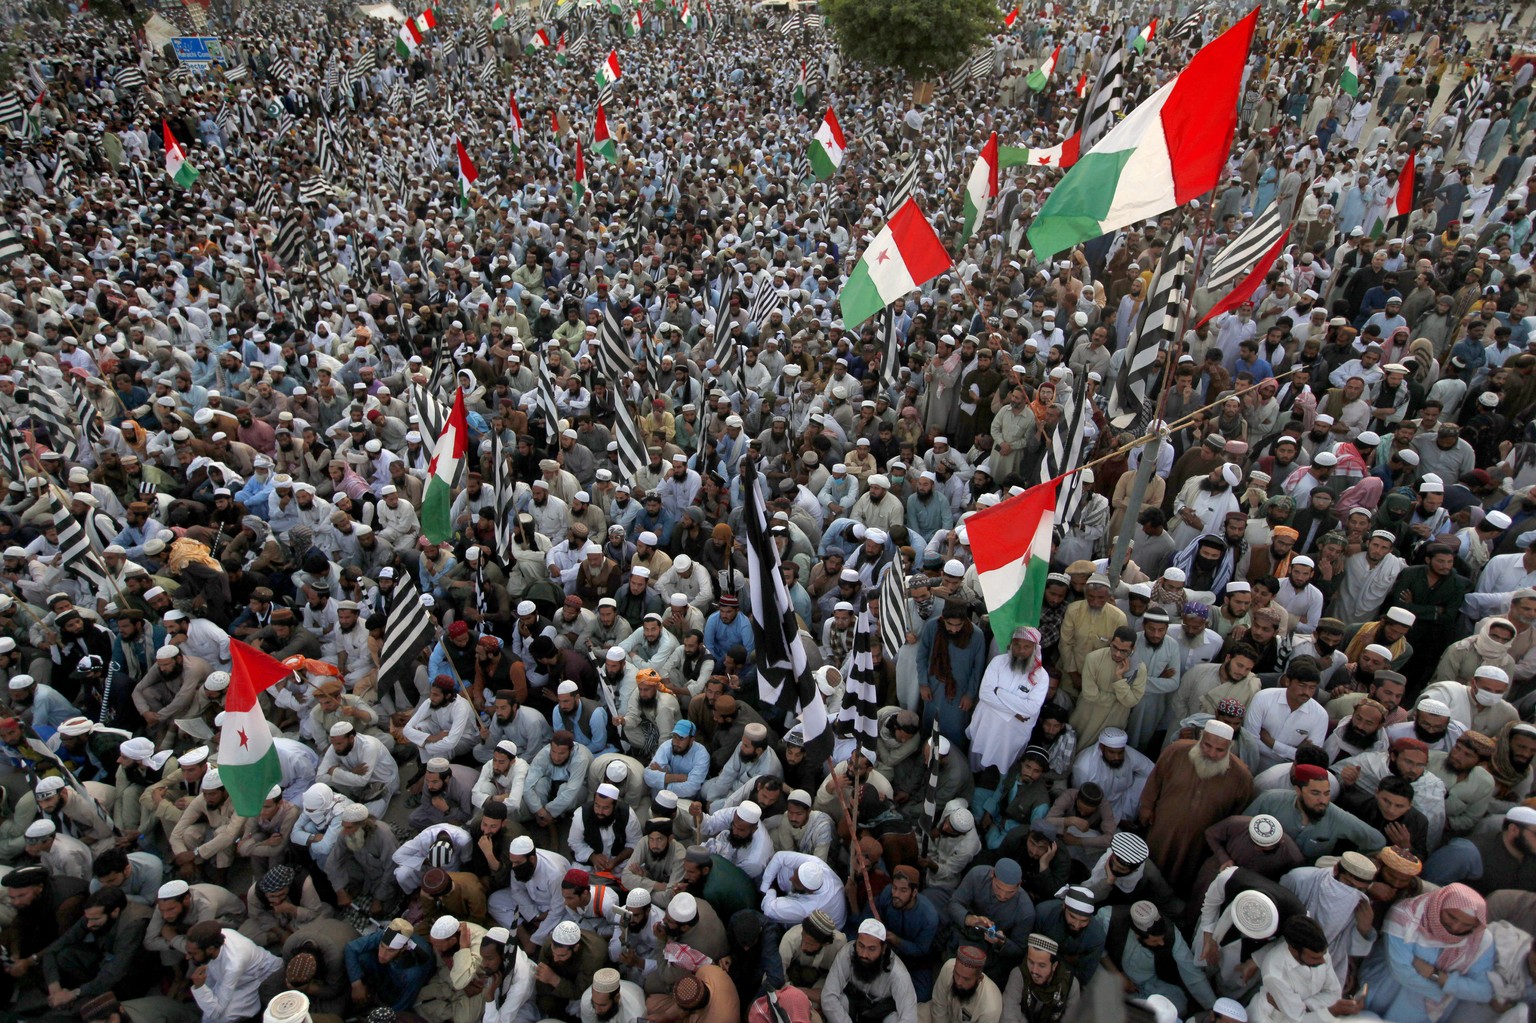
(178, 906)
(39, 705)
(1087, 626)
(389, 967)
(362, 866)
(182, 783)
(204, 837)
(680, 764)
(1337, 898)
(452, 993)
(1306, 812)
(1069, 921)
(1043, 986)
(1369, 578)
(568, 960)
(1195, 784)
(867, 978)
(737, 835)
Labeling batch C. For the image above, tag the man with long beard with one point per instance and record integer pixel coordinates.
(1203, 503)
(1362, 732)
(1195, 784)
(866, 973)
(362, 869)
(533, 891)
(962, 993)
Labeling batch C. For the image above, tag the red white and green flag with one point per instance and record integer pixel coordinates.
(447, 465)
(514, 120)
(1042, 74)
(1402, 202)
(248, 764)
(176, 165)
(425, 20)
(1082, 85)
(906, 254)
(468, 175)
(1011, 547)
(560, 56)
(1011, 17)
(1139, 44)
(498, 16)
(1349, 81)
(1172, 148)
(602, 143)
(409, 39)
(800, 87)
(980, 188)
(635, 24)
(685, 13)
(827, 147)
(1063, 154)
(540, 41)
(579, 183)
(608, 71)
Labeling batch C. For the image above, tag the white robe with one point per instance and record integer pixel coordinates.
(997, 735)
(1291, 992)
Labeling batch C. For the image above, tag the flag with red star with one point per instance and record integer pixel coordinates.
(248, 764)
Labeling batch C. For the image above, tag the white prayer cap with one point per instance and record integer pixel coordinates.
(445, 927)
(874, 928)
(1220, 729)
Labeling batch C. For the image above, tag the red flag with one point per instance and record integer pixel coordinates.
(1244, 291)
(1405, 182)
(1011, 17)
(262, 670)
(1082, 85)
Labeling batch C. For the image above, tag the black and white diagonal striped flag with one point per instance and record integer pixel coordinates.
(13, 113)
(229, 124)
(52, 412)
(1065, 454)
(1188, 27)
(75, 553)
(330, 163)
(289, 240)
(545, 398)
(1132, 403)
(607, 94)
(906, 185)
(632, 456)
(130, 77)
(1097, 113)
(504, 490)
(783, 682)
(408, 630)
(421, 98)
(266, 198)
(890, 340)
(1237, 260)
(937, 744)
(982, 66)
(315, 188)
(236, 73)
(430, 410)
(790, 25)
(613, 357)
(895, 613)
(861, 700)
(488, 72)
(13, 449)
(766, 301)
(11, 247)
(85, 411)
(286, 122)
(814, 20)
(281, 69)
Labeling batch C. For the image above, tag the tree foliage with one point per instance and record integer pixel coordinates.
(924, 38)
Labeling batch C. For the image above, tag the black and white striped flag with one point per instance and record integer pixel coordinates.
(488, 72)
(421, 98)
(936, 744)
(430, 410)
(130, 77)
(315, 188)
(408, 630)
(1097, 113)
(13, 449)
(1065, 454)
(13, 113)
(766, 301)
(782, 679)
(1188, 27)
(613, 357)
(890, 340)
(545, 398)
(75, 553)
(790, 25)
(1132, 403)
(906, 185)
(330, 163)
(50, 411)
(632, 456)
(504, 490)
(281, 69)
(85, 411)
(982, 66)
(1237, 260)
(861, 699)
(266, 198)
(895, 613)
(11, 246)
(289, 240)
(236, 73)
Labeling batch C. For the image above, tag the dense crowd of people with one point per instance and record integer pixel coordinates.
(1275, 764)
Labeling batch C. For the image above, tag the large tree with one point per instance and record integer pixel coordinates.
(924, 38)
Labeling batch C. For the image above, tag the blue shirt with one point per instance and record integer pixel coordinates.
(398, 983)
(694, 763)
(720, 637)
(595, 736)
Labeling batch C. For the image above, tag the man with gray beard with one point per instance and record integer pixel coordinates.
(362, 867)
(1195, 783)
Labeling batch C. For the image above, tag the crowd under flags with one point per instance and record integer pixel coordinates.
(782, 679)
(1241, 267)
(408, 628)
(1133, 400)
(1172, 148)
(827, 147)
